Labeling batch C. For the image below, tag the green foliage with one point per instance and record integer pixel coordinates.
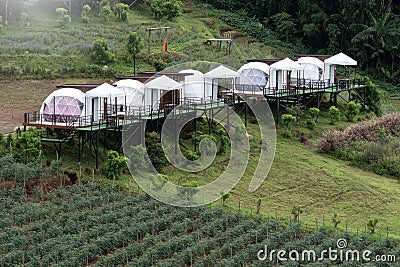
(105, 13)
(166, 8)
(64, 19)
(191, 155)
(155, 151)
(121, 11)
(283, 23)
(224, 141)
(372, 225)
(335, 220)
(334, 114)
(207, 143)
(24, 18)
(137, 158)
(314, 112)
(311, 124)
(100, 53)
(134, 43)
(114, 165)
(1, 23)
(296, 110)
(353, 109)
(373, 98)
(85, 12)
(27, 148)
(224, 196)
(159, 64)
(10, 169)
(54, 168)
(287, 121)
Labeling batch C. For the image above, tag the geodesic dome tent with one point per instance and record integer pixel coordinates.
(63, 105)
(134, 93)
(255, 73)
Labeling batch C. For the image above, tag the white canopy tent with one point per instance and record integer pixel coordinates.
(134, 93)
(278, 69)
(254, 73)
(156, 88)
(313, 68)
(211, 80)
(193, 87)
(105, 91)
(338, 59)
(63, 105)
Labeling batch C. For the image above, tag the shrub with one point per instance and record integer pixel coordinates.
(334, 114)
(224, 141)
(314, 112)
(287, 120)
(191, 155)
(311, 124)
(100, 53)
(353, 109)
(105, 13)
(113, 165)
(137, 157)
(373, 97)
(24, 18)
(169, 9)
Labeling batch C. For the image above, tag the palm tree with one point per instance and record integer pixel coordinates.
(375, 36)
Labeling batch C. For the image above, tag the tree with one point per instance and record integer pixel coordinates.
(314, 112)
(114, 165)
(169, 9)
(134, 45)
(85, 11)
(224, 196)
(283, 23)
(372, 225)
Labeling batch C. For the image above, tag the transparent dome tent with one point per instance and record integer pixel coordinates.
(254, 74)
(63, 105)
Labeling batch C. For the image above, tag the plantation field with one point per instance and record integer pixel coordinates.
(88, 226)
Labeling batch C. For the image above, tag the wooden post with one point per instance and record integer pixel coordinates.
(148, 41)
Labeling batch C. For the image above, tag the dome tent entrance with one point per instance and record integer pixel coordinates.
(65, 105)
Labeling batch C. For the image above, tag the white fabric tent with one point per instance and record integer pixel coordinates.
(277, 70)
(154, 89)
(211, 80)
(63, 105)
(134, 93)
(105, 91)
(254, 73)
(313, 68)
(193, 87)
(338, 59)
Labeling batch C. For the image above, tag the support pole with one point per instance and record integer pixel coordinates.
(97, 150)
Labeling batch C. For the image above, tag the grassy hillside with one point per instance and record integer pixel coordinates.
(45, 50)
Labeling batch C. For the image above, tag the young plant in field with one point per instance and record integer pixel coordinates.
(372, 225)
(224, 197)
(296, 211)
(121, 11)
(85, 12)
(169, 9)
(335, 220)
(64, 19)
(311, 124)
(105, 13)
(314, 112)
(353, 109)
(137, 158)
(287, 121)
(334, 114)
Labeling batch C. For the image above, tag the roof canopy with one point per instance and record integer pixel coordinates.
(311, 60)
(255, 65)
(221, 72)
(105, 90)
(162, 83)
(129, 83)
(197, 75)
(286, 64)
(341, 59)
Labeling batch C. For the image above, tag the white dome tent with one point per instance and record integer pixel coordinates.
(160, 92)
(134, 93)
(211, 80)
(105, 91)
(64, 105)
(338, 59)
(254, 74)
(277, 70)
(193, 87)
(313, 68)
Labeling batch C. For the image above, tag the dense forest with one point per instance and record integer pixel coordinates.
(367, 30)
